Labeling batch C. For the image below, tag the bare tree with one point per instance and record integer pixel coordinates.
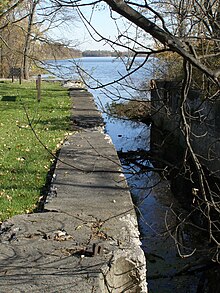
(24, 26)
(157, 24)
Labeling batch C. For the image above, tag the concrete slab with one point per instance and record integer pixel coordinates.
(87, 238)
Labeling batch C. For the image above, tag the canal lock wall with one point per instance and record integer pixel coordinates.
(167, 138)
(168, 146)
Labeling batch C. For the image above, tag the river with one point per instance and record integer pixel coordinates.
(151, 195)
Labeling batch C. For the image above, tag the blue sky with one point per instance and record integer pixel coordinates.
(101, 20)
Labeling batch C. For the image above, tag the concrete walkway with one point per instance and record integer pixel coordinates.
(86, 240)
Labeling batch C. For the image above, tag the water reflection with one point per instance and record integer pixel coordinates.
(152, 199)
(151, 194)
(127, 135)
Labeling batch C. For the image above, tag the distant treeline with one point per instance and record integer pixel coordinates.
(59, 51)
(103, 53)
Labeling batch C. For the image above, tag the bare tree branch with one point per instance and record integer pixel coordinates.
(161, 35)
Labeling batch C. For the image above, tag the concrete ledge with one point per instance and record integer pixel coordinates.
(87, 238)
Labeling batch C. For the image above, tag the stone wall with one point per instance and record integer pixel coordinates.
(203, 117)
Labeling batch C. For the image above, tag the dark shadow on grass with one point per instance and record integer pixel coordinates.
(46, 188)
(56, 123)
(8, 98)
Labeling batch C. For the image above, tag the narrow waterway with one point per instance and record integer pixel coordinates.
(154, 204)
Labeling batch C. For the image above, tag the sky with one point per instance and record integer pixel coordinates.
(101, 20)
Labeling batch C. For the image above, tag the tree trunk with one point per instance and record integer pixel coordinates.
(28, 40)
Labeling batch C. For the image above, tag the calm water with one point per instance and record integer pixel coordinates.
(98, 72)
(151, 195)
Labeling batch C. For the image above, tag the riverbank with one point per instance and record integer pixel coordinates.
(138, 110)
(80, 242)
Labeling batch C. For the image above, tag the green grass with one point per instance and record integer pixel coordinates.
(24, 162)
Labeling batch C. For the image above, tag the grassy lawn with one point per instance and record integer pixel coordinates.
(24, 162)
